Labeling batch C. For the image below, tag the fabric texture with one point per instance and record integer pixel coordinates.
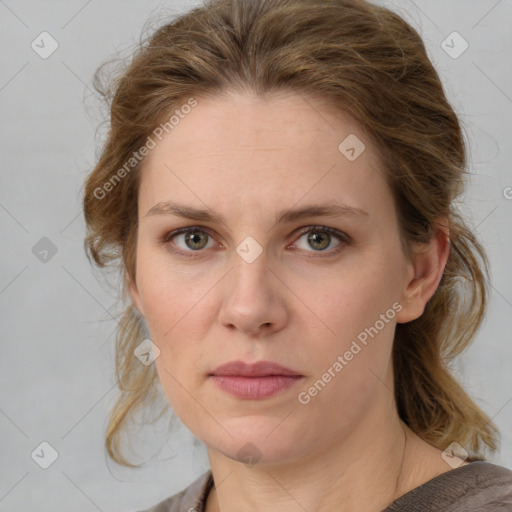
(475, 487)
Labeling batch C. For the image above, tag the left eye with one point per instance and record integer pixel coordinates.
(320, 239)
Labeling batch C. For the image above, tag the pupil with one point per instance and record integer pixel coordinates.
(317, 238)
(193, 238)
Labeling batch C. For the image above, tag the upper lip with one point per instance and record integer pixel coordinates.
(259, 369)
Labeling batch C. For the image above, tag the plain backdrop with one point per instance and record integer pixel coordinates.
(57, 317)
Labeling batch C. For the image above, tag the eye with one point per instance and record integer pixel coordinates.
(188, 240)
(320, 238)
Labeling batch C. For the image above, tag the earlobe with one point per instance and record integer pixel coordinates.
(424, 274)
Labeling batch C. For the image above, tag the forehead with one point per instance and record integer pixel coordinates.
(262, 153)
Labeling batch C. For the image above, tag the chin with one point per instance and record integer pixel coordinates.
(258, 440)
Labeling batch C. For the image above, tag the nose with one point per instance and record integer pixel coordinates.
(253, 300)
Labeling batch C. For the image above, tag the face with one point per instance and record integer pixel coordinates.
(318, 292)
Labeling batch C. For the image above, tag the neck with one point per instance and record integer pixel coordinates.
(364, 472)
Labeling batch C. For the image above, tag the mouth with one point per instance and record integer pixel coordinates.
(254, 388)
(254, 381)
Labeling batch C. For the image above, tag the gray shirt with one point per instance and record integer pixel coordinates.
(478, 486)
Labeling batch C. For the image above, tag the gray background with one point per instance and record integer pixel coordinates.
(56, 379)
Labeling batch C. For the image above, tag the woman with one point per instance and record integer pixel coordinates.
(278, 185)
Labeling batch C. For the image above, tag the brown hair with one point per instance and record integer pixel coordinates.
(365, 61)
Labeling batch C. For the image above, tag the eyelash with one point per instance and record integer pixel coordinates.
(342, 237)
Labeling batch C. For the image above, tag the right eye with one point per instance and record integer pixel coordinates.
(188, 240)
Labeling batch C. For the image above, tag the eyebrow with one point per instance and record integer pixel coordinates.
(336, 210)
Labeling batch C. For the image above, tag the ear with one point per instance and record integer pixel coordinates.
(424, 273)
(135, 296)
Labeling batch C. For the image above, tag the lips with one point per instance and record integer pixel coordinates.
(254, 381)
(259, 369)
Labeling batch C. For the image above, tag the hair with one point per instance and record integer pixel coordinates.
(365, 61)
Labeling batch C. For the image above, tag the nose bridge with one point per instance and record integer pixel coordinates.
(250, 299)
(250, 269)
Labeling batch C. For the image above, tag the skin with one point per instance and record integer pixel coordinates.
(247, 158)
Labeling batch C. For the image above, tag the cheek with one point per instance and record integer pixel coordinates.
(175, 317)
(348, 360)
(352, 301)
(171, 296)
(349, 322)
(172, 309)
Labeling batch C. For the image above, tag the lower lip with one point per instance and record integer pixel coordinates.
(254, 387)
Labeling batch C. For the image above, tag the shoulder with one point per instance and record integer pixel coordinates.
(486, 484)
(479, 485)
(190, 499)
